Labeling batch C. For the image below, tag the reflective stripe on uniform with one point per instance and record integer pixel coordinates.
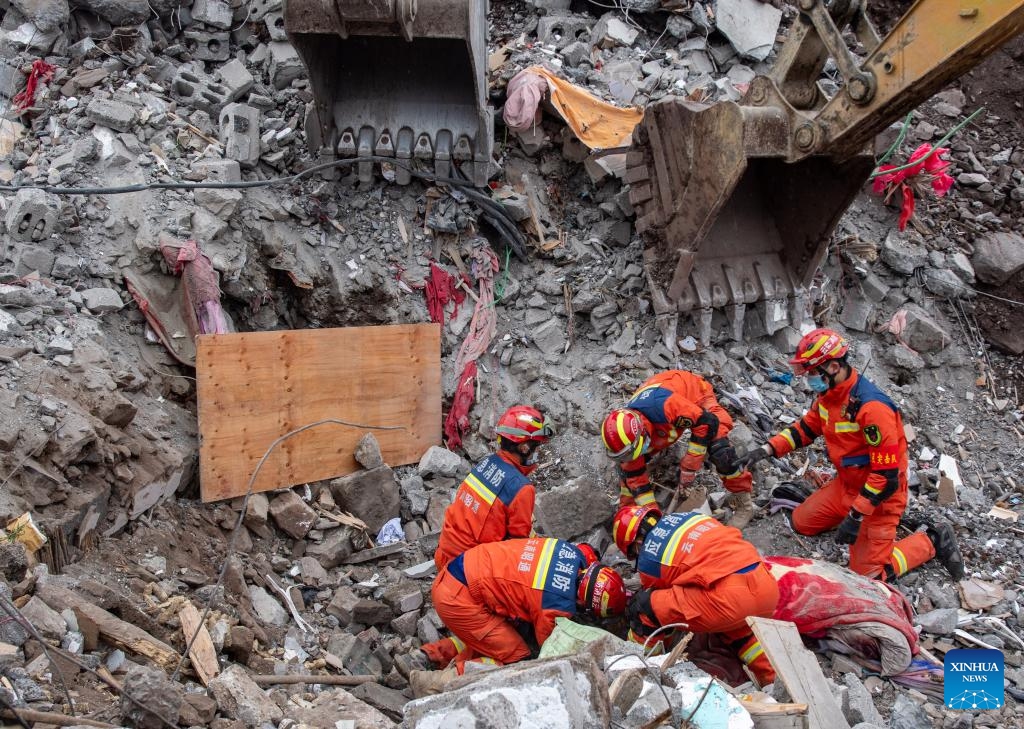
(480, 488)
(846, 426)
(873, 489)
(644, 498)
(457, 642)
(696, 449)
(823, 412)
(543, 563)
(789, 438)
(752, 653)
(673, 544)
(901, 561)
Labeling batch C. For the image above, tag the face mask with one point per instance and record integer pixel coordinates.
(817, 383)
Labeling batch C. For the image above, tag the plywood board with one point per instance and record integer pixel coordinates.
(799, 672)
(255, 387)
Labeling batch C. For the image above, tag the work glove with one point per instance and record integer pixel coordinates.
(849, 528)
(749, 458)
(642, 620)
(686, 478)
(705, 429)
(723, 456)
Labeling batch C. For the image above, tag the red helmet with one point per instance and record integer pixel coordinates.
(626, 527)
(602, 591)
(590, 555)
(522, 423)
(625, 434)
(816, 348)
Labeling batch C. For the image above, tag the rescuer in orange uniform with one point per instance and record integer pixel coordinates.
(863, 431)
(479, 593)
(695, 570)
(655, 417)
(495, 501)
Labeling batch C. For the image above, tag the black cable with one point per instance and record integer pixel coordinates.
(494, 212)
(10, 707)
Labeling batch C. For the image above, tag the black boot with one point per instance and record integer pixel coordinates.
(946, 549)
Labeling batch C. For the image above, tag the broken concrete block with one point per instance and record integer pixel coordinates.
(368, 453)
(285, 65)
(902, 254)
(438, 461)
(562, 693)
(403, 597)
(611, 31)
(370, 495)
(313, 573)
(275, 26)
(355, 654)
(342, 605)
(997, 256)
(268, 609)
(413, 489)
(386, 700)
(750, 25)
(371, 612)
(240, 134)
(257, 510)
(573, 507)
(942, 621)
(221, 203)
(235, 78)
(334, 549)
(157, 698)
(856, 313)
(405, 625)
(239, 643)
(564, 30)
(332, 703)
(550, 336)
(33, 258)
(292, 515)
(101, 301)
(197, 710)
(114, 114)
(208, 46)
(212, 12)
(199, 91)
(32, 216)
(922, 332)
(45, 619)
(238, 697)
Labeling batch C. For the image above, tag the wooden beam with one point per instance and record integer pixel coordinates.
(255, 387)
(53, 718)
(799, 672)
(96, 623)
(777, 716)
(202, 654)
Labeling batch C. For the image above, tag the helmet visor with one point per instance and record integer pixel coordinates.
(632, 451)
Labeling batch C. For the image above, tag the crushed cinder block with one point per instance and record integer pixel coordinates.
(235, 78)
(199, 91)
(561, 693)
(750, 25)
(240, 134)
(114, 114)
(238, 697)
(32, 216)
(215, 13)
(102, 300)
(275, 27)
(285, 65)
(208, 46)
(611, 31)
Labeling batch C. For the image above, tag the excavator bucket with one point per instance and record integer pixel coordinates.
(729, 225)
(403, 79)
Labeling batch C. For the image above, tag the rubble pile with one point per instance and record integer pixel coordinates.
(98, 434)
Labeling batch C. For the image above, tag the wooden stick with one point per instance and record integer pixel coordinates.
(52, 717)
(326, 679)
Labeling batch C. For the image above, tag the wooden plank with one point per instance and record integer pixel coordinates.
(799, 672)
(777, 716)
(96, 623)
(202, 654)
(255, 387)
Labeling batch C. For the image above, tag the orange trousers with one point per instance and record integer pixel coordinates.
(483, 632)
(724, 606)
(876, 553)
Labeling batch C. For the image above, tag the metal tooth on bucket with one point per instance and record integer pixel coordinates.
(404, 79)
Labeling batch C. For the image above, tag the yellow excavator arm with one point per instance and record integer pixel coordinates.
(737, 201)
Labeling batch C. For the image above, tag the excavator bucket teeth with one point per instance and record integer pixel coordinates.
(729, 225)
(400, 79)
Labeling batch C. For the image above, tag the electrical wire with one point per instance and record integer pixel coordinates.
(241, 515)
(494, 212)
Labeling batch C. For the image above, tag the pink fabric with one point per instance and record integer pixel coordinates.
(41, 72)
(482, 328)
(440, 289)
(932, 169)
(202, 285)
(522, 106)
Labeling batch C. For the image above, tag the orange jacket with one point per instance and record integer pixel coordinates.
(494, 502)
(685, 550)
(672, 402)
(864, 436)
(525, 579)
